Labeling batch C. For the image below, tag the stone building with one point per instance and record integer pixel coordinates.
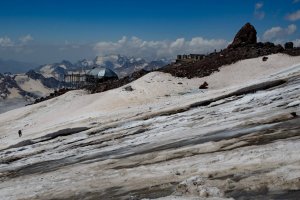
(190, 57)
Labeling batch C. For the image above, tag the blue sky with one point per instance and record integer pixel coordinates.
(52, 30)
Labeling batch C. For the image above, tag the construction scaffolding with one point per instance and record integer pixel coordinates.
(76, 80)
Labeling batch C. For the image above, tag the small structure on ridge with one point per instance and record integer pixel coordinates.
(88, 77)
(100, 74)
(190, 57)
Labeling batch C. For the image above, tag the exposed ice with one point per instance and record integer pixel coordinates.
(234, 147)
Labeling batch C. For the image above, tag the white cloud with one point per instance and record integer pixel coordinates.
(137, 47)
(296, 1)
(296, 43)
(6, 42)
(276, 33)
(291, 29)
(25, 39)
(259, 5)
(293, 16)
(258, 12)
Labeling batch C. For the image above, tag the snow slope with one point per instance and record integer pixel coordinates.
(164, 138)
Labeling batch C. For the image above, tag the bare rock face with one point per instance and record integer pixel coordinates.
(245, 36)
(289, 45)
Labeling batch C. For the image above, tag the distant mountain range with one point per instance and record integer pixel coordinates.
(122, 65)
(125, 66)
(18, 89)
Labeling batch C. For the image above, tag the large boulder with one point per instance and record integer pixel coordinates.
(245, 36)
(289, 45)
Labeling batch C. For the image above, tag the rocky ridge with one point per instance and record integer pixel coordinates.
(244, 46)
(246, 35)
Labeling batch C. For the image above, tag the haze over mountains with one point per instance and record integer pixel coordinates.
(14, 66)
(19, 88)
(122, 65)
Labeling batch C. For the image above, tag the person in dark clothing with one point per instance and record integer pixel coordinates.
(20, 133)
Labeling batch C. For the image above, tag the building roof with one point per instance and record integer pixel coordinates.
(101, 72)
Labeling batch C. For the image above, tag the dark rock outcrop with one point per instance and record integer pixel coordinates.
(245, 36)
(111, 84)
(56, 93)
(204, 85)
(128, 88)
(294, 114)
(212, 62)
(244, 46)
(293, 52)
(289, 45)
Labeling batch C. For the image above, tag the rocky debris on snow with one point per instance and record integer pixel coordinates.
(265, 58)
(204, 85)
(52, 95)
(128, 88)
(294, 114)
